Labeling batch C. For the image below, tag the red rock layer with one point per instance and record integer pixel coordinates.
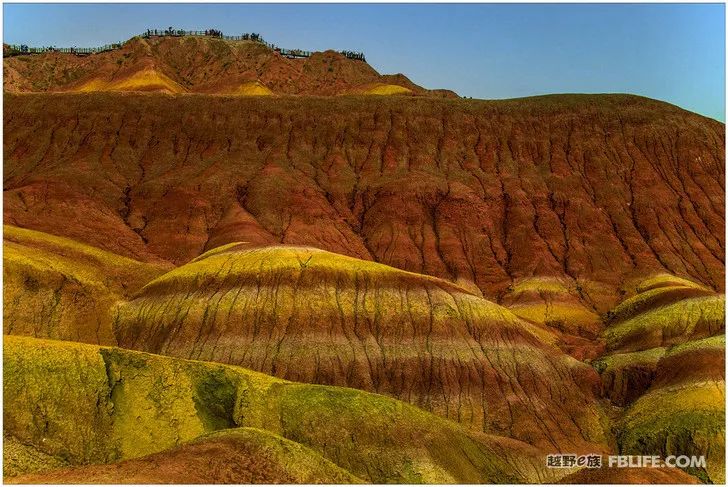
(596, 188)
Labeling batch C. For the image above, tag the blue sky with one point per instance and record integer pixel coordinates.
(672, 52)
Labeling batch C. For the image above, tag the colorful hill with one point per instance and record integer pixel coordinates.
(200, 65)
(253, 88)
(85, 404)
(235, 456)
(225, 265)
(317, 317)
(481, 192)
(381, 89)
(56, 288)
(665, 311)
(559, 305)
(143, 80)
(666, 368)
(683, 412)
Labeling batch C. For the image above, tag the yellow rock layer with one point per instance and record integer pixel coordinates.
(144, 80)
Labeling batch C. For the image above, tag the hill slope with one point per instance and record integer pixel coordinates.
(200, 65)
(236, 456)
(595, 190)
(56, 288)
(312, 316)
(683, 412)
(473, 259)
(666, 368)
(89, 404)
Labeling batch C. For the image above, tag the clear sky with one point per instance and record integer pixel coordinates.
(672, 52)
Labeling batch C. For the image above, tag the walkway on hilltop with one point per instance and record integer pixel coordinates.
(22, 49)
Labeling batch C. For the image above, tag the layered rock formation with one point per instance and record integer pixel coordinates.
(312, 316)
(237, 456)
(104, 405)
(543, 274)
(203, 65)
(596, 190)
(56, 288)
(666, 367)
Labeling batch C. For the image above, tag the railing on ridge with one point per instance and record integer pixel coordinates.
(17, 50)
